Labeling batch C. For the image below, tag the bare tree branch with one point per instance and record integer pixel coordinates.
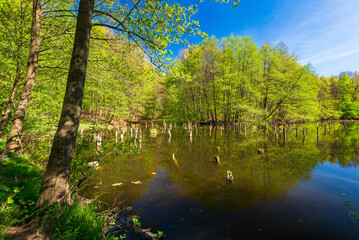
(57, 67)
(290, 90)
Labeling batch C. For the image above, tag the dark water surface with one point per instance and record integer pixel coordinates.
(294, 191)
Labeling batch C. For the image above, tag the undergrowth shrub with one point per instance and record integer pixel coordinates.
(19, 187)
(73, 222)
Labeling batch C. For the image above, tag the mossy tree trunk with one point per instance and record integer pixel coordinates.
(13, 143)
(55, 182)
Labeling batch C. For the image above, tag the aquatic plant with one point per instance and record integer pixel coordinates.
(354, 214)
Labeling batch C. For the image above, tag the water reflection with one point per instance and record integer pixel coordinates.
(291, 158)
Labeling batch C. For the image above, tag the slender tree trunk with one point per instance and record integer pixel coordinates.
(7, 111)
(13, 143)
(55, 182)
(214, 98)
(208, 104)
(15, 86)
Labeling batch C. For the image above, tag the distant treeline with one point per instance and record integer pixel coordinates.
(234, 79)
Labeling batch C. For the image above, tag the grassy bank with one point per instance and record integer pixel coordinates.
(20, 184)
(20, 180)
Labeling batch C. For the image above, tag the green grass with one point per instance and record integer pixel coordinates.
(19, 187)
(2, 144)
(90, 125)
(73, 222)
(20, 182)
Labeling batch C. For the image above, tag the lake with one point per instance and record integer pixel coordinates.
(295, 190)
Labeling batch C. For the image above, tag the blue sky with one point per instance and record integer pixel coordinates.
(322, 32)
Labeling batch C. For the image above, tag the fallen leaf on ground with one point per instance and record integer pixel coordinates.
(137, 182)
(116, 184)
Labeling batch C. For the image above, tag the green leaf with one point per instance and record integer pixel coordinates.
(136, 222)
(123, 236)
(10, 200)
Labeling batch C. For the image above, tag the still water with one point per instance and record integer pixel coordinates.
(295, 190)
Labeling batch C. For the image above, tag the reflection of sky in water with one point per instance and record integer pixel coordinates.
(311, 210)
(294, 191)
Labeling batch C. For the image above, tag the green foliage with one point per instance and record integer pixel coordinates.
(73, 222)
(129, 84)
(123, 236)
(8, 208)
(160, 233)
(349, 101)
(230, 79)
(15, 23)
(19, 186)
(20, 182)
(329, 102)
(136, 222)
(352, 213)
(236, 80)
(2, 144)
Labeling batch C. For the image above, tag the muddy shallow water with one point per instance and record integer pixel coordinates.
(295, 190)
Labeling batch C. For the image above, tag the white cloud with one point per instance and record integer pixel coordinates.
(323, 32)
(333, 56)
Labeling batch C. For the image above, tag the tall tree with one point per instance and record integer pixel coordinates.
(14, 30)
(209, 71)
(238, 81)
(13, 143)
(55, 183)
(153, 25)
(348, 102)
(328, 104)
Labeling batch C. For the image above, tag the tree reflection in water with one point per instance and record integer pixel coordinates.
(289, 158)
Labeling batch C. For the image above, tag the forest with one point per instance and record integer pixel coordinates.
(235, 80)
(216, 80)
(109, 63)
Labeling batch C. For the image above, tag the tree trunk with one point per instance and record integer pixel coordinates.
(214, 98)
(7, 111)
(55, 182)
(15, 86)
(13, 143)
